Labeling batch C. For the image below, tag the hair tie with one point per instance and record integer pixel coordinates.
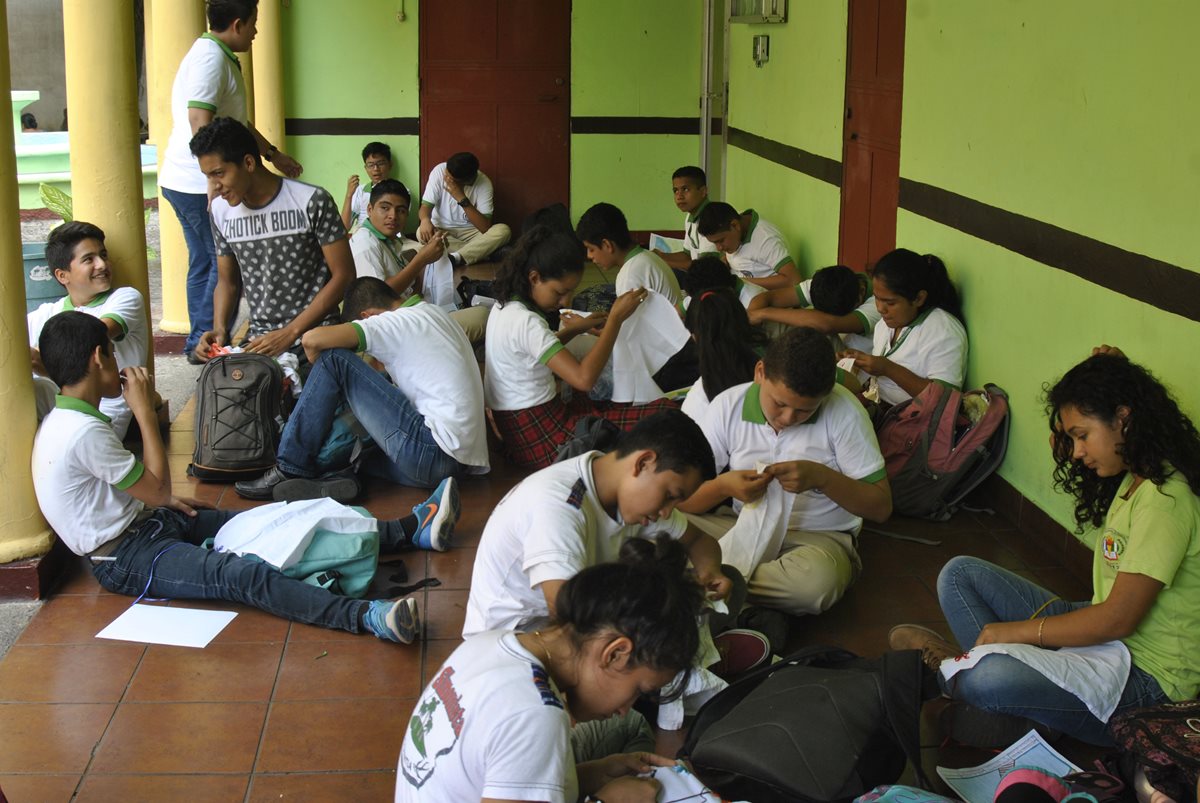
(706, 294)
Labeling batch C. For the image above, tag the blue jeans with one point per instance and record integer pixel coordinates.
(413, 457)
(162, 557)
(192, 211)
(973, 593)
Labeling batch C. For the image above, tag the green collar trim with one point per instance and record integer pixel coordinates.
(229, 54)
(750, 229)
(695, 213)
(68, 304)
(752, 411)
(371, 228)
(80, 406)
(917, 321)
(412, 301)
(632, 252)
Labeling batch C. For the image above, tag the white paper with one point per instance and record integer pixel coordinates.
(157, 624)
(679, 785)
(438, 284)
(648, 338)
(280, 532)
(978, 784)
(582, 313)
(759, 532)
(665, 244)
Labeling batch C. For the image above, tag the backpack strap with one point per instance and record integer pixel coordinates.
(901, 671)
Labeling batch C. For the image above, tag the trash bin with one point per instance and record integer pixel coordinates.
(40, 284)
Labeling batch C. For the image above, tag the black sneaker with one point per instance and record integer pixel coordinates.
(340, 486)
(772, 624)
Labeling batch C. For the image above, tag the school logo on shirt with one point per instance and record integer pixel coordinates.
(1112, 544)
(575, 499)
(541, 682)
(433, 730)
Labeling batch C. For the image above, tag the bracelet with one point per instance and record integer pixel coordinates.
(271, 152)
(1041, 627)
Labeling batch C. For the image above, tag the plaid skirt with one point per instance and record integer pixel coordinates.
(532, 436)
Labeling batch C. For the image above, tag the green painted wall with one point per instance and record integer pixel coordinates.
(1069, 113)
(630, 58)
(366, 66)
(795, 98)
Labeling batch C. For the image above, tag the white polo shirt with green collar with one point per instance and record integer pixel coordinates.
(838, 435)
(125, 306)
(209, 77)
(519, 346)
(643, 268)
(933, 346)
(762, 252)
(81, 473)
(866, 313)
(696, 244)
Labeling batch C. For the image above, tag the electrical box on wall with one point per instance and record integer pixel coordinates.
(758, 11)
(762, 49)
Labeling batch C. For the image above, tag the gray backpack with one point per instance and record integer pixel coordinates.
(237, 408)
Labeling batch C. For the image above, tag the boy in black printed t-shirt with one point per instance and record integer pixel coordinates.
(279, 241)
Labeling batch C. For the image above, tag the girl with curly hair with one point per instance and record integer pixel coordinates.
(1131, 459)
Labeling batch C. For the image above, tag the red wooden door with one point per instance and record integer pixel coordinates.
(495, 81)
(871, 133)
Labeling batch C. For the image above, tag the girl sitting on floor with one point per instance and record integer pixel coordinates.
(920, 337)
(727, 345)
(1131, 460)
(524, 357)
(495, 723)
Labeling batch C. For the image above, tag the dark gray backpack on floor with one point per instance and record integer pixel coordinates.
(237, 409)
(821, 725)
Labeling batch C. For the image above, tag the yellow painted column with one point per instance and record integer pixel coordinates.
(268, 73)
(23, 531)
(175, 25)
(106, 171)
(247, 60)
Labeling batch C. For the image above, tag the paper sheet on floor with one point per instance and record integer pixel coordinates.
(978, 784)
(1095, 674)
(760, 528)
(667, 245)
(280, 532)
(650, 337)
(158, 624)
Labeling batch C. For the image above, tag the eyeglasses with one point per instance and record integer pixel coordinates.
(372, 165)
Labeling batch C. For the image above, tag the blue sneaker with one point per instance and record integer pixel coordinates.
(436, 517)
(396, 621)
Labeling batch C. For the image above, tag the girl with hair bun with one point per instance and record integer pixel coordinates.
(920, 337)
(525, 358)
(727, 346)
(1130, 458)
(495, 722)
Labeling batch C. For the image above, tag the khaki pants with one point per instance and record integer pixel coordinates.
(473, 245)
(811, 572)
(473, 321)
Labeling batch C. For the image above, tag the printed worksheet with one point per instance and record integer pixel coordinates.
(978, 784)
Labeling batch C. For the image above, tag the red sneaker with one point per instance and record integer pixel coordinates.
(741, 650)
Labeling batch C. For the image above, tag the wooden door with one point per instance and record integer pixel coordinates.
(871, 133)
(495, 81)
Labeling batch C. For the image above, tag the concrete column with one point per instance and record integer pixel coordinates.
(23, 531)
(106, 172)
(174, 26)
(268, 73)
(247, 60)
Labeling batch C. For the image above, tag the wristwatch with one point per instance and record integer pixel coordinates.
(270, 154)
(465, 202)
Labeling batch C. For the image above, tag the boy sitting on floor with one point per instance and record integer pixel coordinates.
(458, 200)
(76, 254)
(377, 161)
(836, 301)
(121, 512)
(381, 250)
(817, 442)
(689, 186)
(754, 248)
(429, 426)
(577, 513)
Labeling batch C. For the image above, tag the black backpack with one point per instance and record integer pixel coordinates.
(238, 400)
(820, 725)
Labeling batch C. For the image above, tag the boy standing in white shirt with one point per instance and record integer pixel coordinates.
(75, 252)
(817, 442)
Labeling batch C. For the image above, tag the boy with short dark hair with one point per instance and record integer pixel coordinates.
(817, 442)
(121, 512)
(576, 513)
(279, 240)
(710, 272)
(377, 161)
(76, 254)
(689, 186)
(458, 200)
(753, 247)
(605, 234)
(836, 301)
(429, 426)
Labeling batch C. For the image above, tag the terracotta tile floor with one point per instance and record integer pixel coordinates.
(273, 710)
